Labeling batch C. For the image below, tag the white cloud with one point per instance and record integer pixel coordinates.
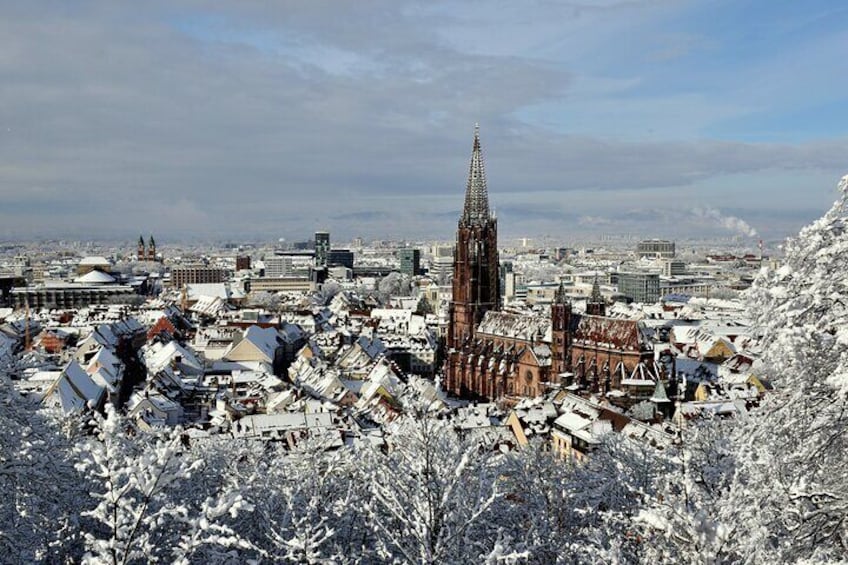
(257, 118)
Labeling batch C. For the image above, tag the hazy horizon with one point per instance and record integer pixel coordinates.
(198, 121)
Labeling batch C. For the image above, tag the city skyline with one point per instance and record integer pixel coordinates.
(666, 119)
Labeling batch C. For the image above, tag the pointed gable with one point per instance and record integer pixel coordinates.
(76, 390)
(258, 344)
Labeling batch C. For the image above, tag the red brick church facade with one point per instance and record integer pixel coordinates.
(495, 355)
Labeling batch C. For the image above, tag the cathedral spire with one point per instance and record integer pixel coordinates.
(596, 305)
(559, 296)
(596, 292)
(476, 209)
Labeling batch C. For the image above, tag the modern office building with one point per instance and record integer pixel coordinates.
(285, 284)
(640, 287)
(674, 267)
(410, 261)
(655, 248)
(322, 248)
(181, 276)
(339, 258)
(278, 266)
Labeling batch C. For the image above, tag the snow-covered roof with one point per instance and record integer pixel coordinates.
(77, 390)
(127, 327)
(273, 425)
(106, 358)
(718, 408)
(693, 368)
(158, 357)
(291, 333)
(476, 416)
(209, 305)
(96, 277)
(94, 261)
(509, 324)
(623, 334)
(106, 378)
(224, 291)
(231, 366)
(572, 422)
(263, 340)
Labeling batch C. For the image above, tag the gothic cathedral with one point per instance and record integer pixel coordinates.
(495, 354)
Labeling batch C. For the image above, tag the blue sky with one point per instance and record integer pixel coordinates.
(257, 119)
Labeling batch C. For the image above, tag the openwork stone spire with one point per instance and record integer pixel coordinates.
(559, 296)
(476, 211)
(596, 297)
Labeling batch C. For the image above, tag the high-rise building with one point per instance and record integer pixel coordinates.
(322, 248)
(476, 279)
(410, 261)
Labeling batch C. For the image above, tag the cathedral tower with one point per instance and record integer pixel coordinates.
(476, 281)
(560, 333)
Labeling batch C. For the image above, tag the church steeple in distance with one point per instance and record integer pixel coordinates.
(476, 210)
